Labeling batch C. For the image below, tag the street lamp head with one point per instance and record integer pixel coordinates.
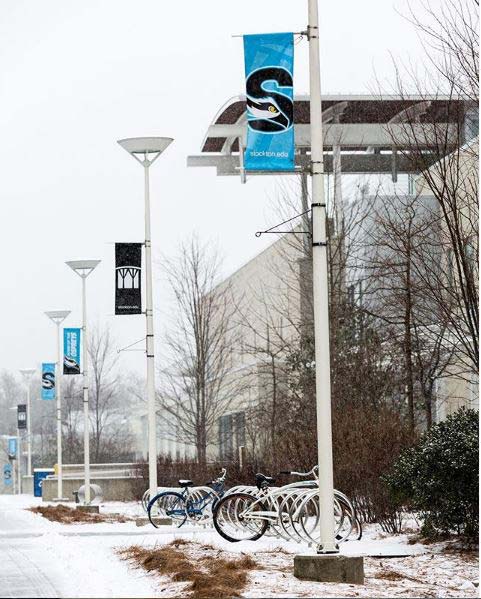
(28, 372)
(145, 145)
(83, 267)
(57, 316)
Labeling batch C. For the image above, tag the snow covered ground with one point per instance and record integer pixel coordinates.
(39, 558)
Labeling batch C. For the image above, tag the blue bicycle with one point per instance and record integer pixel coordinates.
(192, 503)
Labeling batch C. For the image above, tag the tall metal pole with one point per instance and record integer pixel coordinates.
(150, 339)
(327, 542)
(57, 317)
(83, 268)
(14, 468)
(29, 432)
(19, 464)
(146, 147)
(27, 374)
(85, 393)
(58, 388)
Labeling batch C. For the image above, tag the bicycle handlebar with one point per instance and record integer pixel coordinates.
(221, 478)
(294, 473)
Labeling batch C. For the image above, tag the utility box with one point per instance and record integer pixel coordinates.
(38, 476)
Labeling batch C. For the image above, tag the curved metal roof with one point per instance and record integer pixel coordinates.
(362, 125)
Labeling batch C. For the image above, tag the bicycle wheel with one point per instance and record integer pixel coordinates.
(238, 517)
(145, 500)
(168, 504)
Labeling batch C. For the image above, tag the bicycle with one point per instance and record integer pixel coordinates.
(194, 504)
(290, 512)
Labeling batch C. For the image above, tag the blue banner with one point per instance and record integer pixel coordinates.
(7, 474)
(269, 67)
(48, 380)
(71, 351)
(12, 446)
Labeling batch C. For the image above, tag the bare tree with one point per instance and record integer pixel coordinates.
(199, 385)
(108, 400)
(443, 147)
(72, 420)
(401, 241)
(10, 394)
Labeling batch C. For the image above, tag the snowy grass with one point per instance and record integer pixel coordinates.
(427, 575)
(206, 578)
(82, 559)
(68, 515)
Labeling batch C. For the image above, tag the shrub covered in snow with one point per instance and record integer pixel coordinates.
(439, 476)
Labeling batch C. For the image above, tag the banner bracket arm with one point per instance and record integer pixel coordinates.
(127, 347)
(271, 230)
(294, 33)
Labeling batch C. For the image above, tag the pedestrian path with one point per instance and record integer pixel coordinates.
(24, 571)
(39, 558)
(23, 574)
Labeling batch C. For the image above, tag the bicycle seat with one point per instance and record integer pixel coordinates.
(262, 479)
(185, 483)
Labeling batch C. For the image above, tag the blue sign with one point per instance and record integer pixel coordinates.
(39, 474)
(12, 446)
(48, 380)
(71, 351)
(7, 474)
(269, 67)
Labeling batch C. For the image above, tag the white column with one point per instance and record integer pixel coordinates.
(14, 475)
(29, 432)
(321, 309)
(85, 394)
(150, 339)
(19, 463)
(58, 388)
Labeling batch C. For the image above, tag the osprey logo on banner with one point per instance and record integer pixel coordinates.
(269, 66)
(71, 351)
(48, 380)
(128, 295)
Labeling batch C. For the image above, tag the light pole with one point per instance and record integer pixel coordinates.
(327, 543)
(57, 317)
(83, 268)
(27, 374)
(18, 457)
(146, 150)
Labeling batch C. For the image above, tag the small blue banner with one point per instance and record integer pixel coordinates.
(269, 67)
(12, 446)
(48, 380)
(71, 351)
(7, 474)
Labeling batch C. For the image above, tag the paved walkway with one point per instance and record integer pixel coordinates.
(22, 574)
(24, 571)
(39, 558)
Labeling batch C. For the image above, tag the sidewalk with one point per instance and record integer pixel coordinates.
(37, 560)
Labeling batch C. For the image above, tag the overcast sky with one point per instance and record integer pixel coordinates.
(76, 75)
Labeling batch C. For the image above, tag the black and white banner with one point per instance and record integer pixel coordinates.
(128, 261)
(21, 416)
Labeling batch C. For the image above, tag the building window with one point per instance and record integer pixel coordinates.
(471, 125)
(231, 434)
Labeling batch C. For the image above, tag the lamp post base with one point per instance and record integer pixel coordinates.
(92, 509)
(61, 499)
(158, 521)
(330, 568)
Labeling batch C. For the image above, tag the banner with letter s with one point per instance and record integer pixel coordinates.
(48, 380)
(128, 263)
(269, 67)
(71, 351)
